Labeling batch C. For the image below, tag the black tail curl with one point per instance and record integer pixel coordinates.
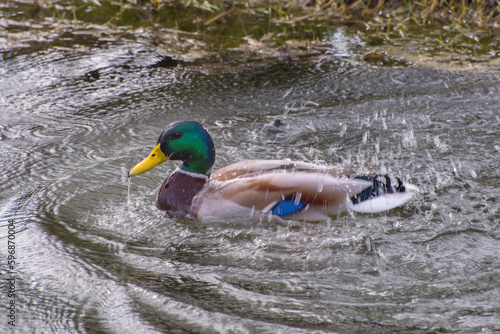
(381, 184)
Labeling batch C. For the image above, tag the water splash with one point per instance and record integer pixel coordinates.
(320, 186)
(128, 193)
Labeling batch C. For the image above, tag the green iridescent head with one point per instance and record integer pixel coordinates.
(187, 141)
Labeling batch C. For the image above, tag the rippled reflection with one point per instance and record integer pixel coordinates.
(92, 259)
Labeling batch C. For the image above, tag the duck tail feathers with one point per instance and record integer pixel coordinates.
(382, 195)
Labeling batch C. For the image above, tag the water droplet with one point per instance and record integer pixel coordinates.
(320, 186)
(128, 193)
(297, 198)
(366, 135)
(408, 139)
(343, 131)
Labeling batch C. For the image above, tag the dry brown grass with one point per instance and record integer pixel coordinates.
(480, 12)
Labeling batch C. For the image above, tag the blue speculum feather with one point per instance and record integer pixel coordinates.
(287, 207)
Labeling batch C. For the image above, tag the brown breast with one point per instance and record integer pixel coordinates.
(177, 192)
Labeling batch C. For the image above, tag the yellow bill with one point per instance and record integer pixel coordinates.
(155, 158)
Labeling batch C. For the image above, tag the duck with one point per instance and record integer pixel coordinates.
(261, 190)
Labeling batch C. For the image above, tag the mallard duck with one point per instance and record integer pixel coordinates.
(261, 189)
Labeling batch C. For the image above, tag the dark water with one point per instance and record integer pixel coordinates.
(91, 260)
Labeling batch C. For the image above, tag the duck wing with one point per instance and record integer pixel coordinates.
(294, 195)
(249, 168)
(296, 190)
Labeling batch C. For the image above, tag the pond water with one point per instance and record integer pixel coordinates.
(91, 259)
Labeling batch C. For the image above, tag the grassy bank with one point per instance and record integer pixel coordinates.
(458, 30)
(477, 12)
(461, 27)
(482, 12)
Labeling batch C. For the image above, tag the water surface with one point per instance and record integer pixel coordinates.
(92, 260)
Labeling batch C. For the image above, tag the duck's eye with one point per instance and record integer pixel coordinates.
(175, 135)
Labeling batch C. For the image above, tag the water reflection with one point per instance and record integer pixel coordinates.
(92, 260)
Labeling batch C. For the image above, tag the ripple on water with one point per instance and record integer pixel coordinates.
(91, 262)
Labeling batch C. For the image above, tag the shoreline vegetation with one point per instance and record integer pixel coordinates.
(481, 13)
(454, 30)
